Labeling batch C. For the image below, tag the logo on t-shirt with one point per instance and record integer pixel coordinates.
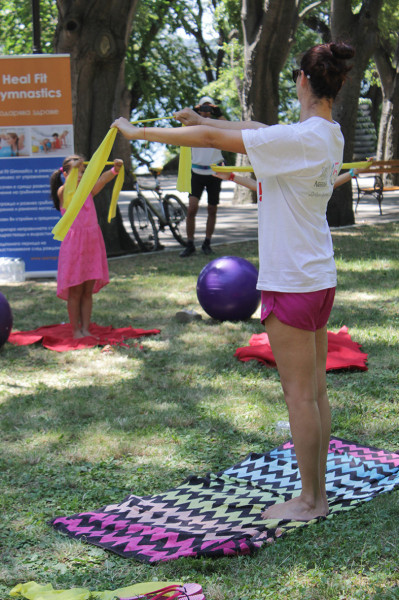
(321, 182)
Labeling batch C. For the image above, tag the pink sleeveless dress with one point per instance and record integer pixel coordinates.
(82, 254)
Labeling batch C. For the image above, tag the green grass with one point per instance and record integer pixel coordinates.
(82, 429)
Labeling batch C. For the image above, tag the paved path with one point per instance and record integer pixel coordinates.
(237, 223)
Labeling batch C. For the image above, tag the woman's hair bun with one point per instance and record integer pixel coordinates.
(341, 50)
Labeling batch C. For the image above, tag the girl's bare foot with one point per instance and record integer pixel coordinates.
(77, 334)
(296, 509)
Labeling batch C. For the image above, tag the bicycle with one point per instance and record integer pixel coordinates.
(147, 219)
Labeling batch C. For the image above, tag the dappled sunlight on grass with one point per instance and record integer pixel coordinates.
(101, 442)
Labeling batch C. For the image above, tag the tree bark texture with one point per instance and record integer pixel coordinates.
(269, 27)
(388, 138)
(361, 31)
(95, 34)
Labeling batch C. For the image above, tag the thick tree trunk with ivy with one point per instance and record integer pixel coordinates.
(95, 34)
(269, 28)
(388, 138)
(361, 31)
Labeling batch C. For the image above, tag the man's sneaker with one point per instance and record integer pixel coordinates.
(188, 251)
(206, 249)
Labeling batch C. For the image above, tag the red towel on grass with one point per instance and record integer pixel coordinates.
(60, 339)
(342, 353)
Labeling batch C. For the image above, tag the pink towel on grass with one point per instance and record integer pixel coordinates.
(60, 339)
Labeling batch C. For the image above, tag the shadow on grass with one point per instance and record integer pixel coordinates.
(52, 428)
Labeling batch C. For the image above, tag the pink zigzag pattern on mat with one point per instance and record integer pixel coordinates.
(226, 546)
(367, 453)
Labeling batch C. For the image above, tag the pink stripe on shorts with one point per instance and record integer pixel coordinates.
(308, 310)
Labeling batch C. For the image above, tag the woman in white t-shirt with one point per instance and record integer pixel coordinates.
(295, 168)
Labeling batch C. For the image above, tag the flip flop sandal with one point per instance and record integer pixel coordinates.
(189, 591)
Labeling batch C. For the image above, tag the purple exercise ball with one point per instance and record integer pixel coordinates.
(226, 289)
(5, 320)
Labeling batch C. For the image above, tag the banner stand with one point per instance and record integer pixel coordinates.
(36, 134)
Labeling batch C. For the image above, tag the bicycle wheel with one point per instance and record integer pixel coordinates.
(175, 212)
(143, 225)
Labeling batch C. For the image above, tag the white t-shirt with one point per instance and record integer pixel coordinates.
(205, 157)
(295, 167)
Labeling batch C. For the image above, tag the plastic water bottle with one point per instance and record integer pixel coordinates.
(12, 270)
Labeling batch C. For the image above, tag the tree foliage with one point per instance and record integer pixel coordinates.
(240, 53)
(163, 73)
(16, 31)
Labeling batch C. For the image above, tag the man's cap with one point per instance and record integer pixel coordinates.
(205, 100)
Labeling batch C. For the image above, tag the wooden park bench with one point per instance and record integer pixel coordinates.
(376, 169)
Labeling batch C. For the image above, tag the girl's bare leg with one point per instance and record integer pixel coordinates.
(86, 306)
(74, 300)
(295, 351)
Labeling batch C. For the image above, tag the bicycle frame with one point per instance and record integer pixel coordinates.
(148, 218)
(156, 191)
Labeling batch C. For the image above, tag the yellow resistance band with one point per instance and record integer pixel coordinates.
(75, 197)
(184, 171)
(118, 184)
(224, 169)
(36, 591)
(150, 120)
(70, 186)
(89, 178)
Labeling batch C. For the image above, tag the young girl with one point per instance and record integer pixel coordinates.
(82, 261)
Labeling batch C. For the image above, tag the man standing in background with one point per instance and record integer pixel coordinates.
(202, 178)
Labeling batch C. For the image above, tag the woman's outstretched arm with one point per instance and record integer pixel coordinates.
(199, 136)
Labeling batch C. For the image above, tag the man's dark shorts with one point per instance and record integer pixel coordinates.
(212, 185)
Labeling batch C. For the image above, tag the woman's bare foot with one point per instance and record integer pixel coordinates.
(77, 334)
(85, 332)
(296, 509)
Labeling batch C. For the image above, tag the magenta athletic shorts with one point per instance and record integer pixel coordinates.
(309, 310)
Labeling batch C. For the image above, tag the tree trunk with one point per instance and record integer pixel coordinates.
(388, 138)
(269, 28)
(361, 31)
(95, 34)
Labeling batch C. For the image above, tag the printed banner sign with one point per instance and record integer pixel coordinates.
(36, 134)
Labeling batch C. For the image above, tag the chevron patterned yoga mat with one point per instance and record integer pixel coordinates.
(219, 514)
